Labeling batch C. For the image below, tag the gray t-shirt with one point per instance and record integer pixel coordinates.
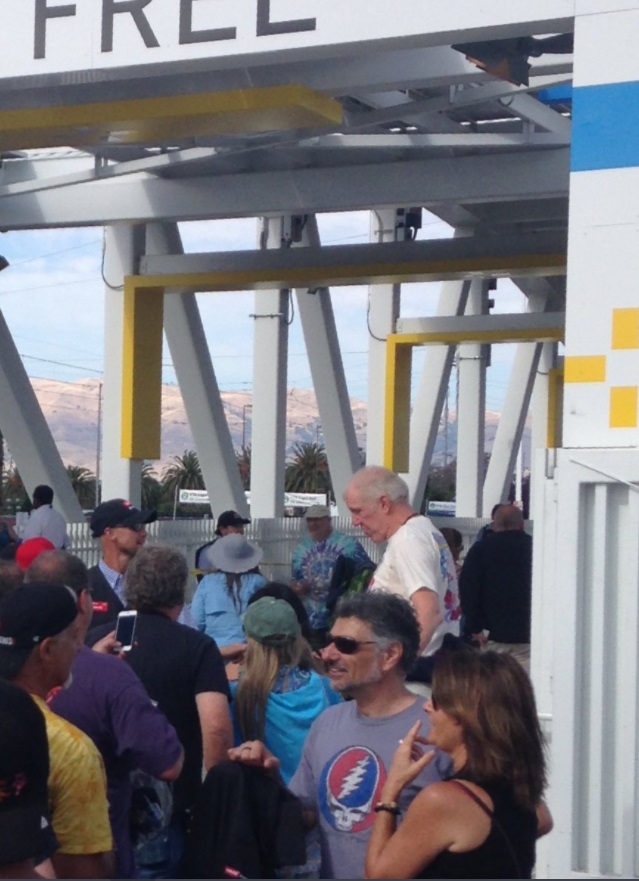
(342, 772)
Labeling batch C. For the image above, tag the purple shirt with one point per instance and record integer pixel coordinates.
(108, 702)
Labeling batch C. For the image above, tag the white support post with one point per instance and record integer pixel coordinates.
(270, 357)
(593, 499)
(329, 381)
(471, 411)
(513, 417)
(198, 385)
(547, 361)
(121, 478)
(431, 394)
(383, 312)
(26, 431)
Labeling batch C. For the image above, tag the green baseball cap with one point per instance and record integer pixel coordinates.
(271, 622)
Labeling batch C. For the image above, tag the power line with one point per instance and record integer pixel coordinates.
(60, 364)
(55, 253)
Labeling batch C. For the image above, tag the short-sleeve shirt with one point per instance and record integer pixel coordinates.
(416, 557)
(46, 522)
(217, 612)
(176, 663)
(108, 702)
(77, 788)
(314, 562)
(343, 768)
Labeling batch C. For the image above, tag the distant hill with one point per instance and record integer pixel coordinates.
(71, 410)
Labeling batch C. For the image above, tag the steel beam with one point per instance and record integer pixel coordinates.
(427, 260)
(469, 179)
(26, 431)
(329, 380)
(270, 372)
(198, 386)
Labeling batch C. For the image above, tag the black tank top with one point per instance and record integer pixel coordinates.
(507, 852)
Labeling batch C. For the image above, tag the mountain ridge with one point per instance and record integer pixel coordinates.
(71, 411)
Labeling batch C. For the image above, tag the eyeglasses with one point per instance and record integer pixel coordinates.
(346, 645)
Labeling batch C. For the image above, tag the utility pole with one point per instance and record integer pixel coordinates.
(98, 452)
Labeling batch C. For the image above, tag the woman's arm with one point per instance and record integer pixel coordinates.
(391, 852)
(197, 605)
(426, 831)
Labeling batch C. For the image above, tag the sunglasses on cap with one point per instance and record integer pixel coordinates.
(346, 645)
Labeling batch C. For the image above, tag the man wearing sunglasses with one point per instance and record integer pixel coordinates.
(348, 751)
(121, 530)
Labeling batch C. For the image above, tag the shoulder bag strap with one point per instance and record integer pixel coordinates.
(495, 822)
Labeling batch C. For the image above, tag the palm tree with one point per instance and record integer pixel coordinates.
(183, 472)
(152, 489)
(83, 483)
(307, 469)
(243, 459)
(15, 494)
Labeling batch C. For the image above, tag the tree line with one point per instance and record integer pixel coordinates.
(306, 471)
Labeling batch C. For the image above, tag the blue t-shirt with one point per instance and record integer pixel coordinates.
(289, 716)
(218, 613)
(314, 562)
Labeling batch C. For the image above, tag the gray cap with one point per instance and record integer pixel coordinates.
(317, 511)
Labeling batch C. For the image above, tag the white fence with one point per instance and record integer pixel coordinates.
(277, 538)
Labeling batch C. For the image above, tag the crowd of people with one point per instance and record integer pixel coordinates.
(356, 721)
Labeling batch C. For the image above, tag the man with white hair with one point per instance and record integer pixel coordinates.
(417, 563)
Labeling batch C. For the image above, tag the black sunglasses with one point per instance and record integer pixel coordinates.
(346, 645)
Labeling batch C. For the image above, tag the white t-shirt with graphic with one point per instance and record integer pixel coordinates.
(416, 557)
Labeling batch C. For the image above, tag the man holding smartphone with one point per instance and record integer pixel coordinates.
(183, 671)
(108, 702)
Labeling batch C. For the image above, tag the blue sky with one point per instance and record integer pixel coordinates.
(52, 297)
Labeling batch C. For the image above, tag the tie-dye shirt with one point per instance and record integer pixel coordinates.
(77, 788)
(314, 563)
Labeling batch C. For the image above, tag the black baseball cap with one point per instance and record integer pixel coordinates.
(230, 518)
(118, 512)
(33, 612)
(25, 827)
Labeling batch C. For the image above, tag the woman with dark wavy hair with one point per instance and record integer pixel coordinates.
(484, 820)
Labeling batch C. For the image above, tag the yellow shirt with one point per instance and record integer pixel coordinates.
(77, 788)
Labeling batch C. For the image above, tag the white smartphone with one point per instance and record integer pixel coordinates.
(125, 630)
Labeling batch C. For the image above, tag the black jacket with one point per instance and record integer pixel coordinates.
(246, 820)
(106, 605)
(495, 586)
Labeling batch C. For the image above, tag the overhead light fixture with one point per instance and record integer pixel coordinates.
(508, 59)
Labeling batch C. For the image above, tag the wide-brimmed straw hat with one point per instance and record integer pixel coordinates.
(233, 553)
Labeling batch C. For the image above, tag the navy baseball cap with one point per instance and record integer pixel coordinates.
(118, 512)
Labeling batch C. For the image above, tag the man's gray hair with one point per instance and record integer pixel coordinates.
(156, 579)
(373, 481)
(390, 617)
